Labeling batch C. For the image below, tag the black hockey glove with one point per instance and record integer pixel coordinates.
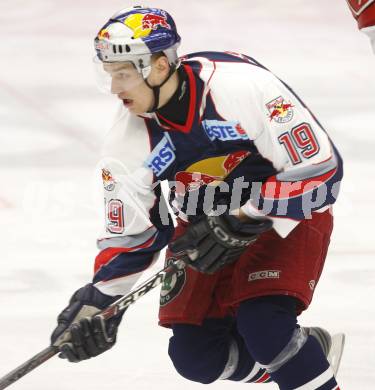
(212, 242)
(90, 334)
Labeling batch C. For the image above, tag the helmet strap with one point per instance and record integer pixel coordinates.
(156, 89)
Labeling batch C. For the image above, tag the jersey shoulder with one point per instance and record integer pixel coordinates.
(231, 72)
(236, 84)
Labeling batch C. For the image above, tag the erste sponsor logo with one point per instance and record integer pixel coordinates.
(224, 130)
(162, 156)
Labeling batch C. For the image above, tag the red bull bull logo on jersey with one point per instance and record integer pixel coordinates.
(143, 24)
(210, 171)
(280, 111)
(191, 181)
(234, 159)
(109, 182)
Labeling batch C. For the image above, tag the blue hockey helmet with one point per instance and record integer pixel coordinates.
(134, 34)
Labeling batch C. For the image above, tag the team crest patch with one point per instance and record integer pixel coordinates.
(172, 285)
(280, 110)
(108, 181)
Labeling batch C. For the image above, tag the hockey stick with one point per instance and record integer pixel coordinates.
(120, 305)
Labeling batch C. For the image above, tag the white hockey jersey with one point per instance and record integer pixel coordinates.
(247, 137)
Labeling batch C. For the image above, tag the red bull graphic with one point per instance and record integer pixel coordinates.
(233, 160)
(210, 171)
(100, 43)
(104, 34)
(108, 181)
(153, 21)
(191, 181)
(143, 24)
(280, 111)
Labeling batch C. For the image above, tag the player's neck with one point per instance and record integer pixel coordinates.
(177, 107)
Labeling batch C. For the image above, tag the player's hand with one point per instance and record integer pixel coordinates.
(212, 242)
(90, 335)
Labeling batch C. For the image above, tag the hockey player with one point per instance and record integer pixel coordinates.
(253, 176)
(364, 12)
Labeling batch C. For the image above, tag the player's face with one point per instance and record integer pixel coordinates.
(130, 87)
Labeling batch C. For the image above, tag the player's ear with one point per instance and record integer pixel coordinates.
(160, 63)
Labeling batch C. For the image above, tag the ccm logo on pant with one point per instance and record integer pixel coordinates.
(269, 274)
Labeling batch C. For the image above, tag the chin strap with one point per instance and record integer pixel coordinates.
(156, 89)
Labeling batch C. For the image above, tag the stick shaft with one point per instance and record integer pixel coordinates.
(124, 302)
(120, 305)
(28, 366)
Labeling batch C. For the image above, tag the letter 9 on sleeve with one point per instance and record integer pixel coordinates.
(115, 216)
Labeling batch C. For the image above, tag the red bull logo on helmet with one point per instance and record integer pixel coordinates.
(143, 24)
(153, 21)
(104, 34)
(224, 130)
(280, 111)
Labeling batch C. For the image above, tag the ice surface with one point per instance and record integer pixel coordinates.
(52, 121)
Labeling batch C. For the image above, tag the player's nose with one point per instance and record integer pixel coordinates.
(116, 87)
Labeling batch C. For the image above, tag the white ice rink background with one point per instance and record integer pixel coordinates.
(52, 120)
